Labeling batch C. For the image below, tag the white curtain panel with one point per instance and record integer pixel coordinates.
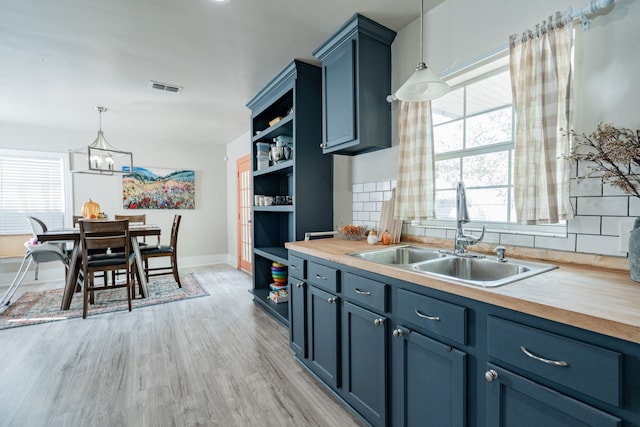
(541, 77)
(415, 188)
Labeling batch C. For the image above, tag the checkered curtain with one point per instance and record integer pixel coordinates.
(415, 188)
(540, 62)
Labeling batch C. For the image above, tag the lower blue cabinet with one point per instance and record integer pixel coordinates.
(513, 400)
(298, 316)
(429, 382)
(323, 311)
(364, 359)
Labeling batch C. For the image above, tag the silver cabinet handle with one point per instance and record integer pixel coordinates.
(490, 376)
(332, 300)
(321, 277)
(294, 267)
(542, 359)
(426, 316)
(397, 333)
(378, 322)
(359, 292)
(323, 145)
(299, 285)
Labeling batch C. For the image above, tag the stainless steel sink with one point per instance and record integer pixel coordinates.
(472, 270)
(400, 255)
(483, 272)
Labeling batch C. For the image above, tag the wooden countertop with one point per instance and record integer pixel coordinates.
(587, 296)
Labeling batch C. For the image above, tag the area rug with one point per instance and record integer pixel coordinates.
(44, 306)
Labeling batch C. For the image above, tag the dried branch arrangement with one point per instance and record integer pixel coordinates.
(613, 152)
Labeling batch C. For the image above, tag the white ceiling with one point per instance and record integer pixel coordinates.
(61, 58)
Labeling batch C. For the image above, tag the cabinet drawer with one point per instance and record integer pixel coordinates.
(365, 291)
(297, 267)
(432, 315)
(323, 277)
(585, 368)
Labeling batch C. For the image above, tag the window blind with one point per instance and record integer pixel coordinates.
(31, 184)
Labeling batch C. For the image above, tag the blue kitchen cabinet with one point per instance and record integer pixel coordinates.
(514, 401)
(323, 325)
(364, 359)
(298, 306)
(288, 110)
(356, 79)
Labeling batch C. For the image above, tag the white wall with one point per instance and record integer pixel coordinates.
(457, 32)
(203, 235)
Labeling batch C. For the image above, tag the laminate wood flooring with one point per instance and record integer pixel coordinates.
(211, 361)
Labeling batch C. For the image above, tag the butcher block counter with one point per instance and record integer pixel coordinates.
(589, 292)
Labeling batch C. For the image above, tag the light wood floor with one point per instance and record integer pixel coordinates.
(212, 361)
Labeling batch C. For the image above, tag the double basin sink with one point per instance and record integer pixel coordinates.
(471, 270)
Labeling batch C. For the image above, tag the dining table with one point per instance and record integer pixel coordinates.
(75, 261)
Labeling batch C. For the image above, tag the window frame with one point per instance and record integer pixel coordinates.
(479, 70)
(66, 179)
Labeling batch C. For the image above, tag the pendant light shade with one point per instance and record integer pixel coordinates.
(424, 84)
(100, 157)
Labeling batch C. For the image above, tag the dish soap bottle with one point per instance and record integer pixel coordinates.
(372, 237)
(386, 238)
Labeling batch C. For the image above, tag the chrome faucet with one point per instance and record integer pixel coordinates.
(462, 240)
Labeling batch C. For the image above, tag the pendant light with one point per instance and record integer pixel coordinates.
(100, 157)
(423, 85)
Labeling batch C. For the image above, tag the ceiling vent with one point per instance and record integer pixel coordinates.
(165, 87)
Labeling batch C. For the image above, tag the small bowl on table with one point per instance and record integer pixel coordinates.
(352, 232)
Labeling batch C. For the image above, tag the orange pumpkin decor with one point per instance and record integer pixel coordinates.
(90, 210)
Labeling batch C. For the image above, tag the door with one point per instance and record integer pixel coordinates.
(323, 336)
(364, 359)
(429, 382)
(243, 197)
(516, 401)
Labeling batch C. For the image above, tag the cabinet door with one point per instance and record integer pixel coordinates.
(323, 337)
(514, 401)
(364, 361)
(429, 382)
(298, 316)
(339, 100)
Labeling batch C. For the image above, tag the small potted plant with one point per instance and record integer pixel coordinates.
(614, 154)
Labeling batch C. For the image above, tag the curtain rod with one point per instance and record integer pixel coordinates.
(593, 7)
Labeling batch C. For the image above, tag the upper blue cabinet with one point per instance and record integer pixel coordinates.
(356, 79)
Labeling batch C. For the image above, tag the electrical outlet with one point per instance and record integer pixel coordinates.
(626, 226)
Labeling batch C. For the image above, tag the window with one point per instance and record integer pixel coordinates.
(473, 141)
(31, 184)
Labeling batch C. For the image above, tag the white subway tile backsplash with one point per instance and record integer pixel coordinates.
(615, 206)
(369, 186)
(586, 187)
(603, 245)
(584, 225)
(363, 197)
(383, 186)
(557, 243)
(516, 240)
(598, 208)
(375, 196)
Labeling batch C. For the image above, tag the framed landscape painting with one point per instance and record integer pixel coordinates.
(155, 188)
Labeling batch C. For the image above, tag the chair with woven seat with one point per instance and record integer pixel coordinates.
(170, 251)
(106, 246)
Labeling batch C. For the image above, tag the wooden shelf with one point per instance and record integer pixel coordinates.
(285, 167)
(275, 130)
(274, 208)
(277, 254)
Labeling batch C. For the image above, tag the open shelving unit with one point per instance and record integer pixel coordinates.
(292, 103)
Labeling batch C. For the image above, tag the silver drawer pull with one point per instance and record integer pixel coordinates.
(332, 300)
(299, 285)
(378, 322)
(426, 316)
(359, 292)
(542, 359)
(321, 277)
(294, 267)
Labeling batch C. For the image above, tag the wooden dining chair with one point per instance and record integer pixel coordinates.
(96, 237)
(170, 251)
(76, 220)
